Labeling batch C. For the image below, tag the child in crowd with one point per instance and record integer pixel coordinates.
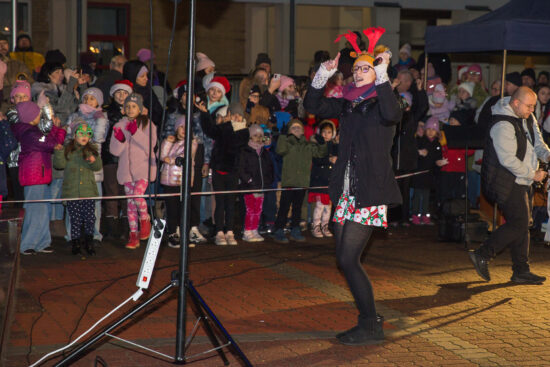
(269, 207)
(229, 136)
(440, 106)
(320, 174)
(91, 112)
(465, 109)
(79, 160)
(7, 145)
(216, 92)
(114, 209)
(173, 147)
(35, 173)
(297, 154)
(255, 173)
(136, 164)
(429, 156)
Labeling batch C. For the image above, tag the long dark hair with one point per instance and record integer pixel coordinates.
(87, 150)
(142, 121)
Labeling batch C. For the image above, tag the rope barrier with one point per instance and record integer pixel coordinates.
(119, 197)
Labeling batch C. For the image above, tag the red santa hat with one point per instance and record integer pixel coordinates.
(221, 83)
(123, 84)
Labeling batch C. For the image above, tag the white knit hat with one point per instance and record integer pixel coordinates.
(468, 87)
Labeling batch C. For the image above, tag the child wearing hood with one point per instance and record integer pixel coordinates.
(80, 159)
(173, 147)
(35, 173)
(137, 164)
(138, 74)
(255, 173)
(91, 112)
(440, 106)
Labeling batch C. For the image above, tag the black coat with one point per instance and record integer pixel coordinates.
(114, 115)
(321, 168)
(255, 171)
(227, 143)
(405, 151)
(106, 81)
(427, 180)
(370, 128)
(130, 72)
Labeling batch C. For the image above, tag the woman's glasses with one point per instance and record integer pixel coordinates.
(362, 68)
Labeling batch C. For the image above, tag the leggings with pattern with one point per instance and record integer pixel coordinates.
(136, 206)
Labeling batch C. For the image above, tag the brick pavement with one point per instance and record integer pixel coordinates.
(283, 305)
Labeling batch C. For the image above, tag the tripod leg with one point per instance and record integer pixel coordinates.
(213, 339)
(217, 322)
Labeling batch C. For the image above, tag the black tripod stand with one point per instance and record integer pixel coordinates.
(180, 278)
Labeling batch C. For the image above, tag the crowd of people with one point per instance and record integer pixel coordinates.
(86, 133)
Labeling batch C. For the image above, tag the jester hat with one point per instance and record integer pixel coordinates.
(373, 34)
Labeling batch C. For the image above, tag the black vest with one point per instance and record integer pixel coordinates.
(496, 180)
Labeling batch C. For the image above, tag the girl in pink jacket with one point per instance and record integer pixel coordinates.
(134, 143)
(171, 174)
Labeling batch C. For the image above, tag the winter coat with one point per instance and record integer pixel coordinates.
(405, 151)
(321, 168)
(134, 155)
(130, 72)
(35, 159)
(297, 155)
(369, 127)
(170, 173)
(114, 115)
(198, 133)
(255, 170)
(7, 144)
(62, 98)
(227, 143)
(79, 179)
(97, 121)
(427, 180)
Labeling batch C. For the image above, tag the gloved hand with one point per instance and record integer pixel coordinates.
(381, 69)
(119, 135)
(325, 72)
(132, 127)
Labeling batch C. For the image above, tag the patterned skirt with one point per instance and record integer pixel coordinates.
(371, 216)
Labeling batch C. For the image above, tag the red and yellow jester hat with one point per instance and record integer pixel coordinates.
(373, 34)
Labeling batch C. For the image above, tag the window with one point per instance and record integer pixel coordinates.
(108, 31)
(23, 23)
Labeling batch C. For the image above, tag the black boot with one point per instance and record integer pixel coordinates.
(110, 230)
(76, 246)
(367, 330)
(89, 244)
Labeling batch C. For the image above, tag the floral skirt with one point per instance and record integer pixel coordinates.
(371, 216)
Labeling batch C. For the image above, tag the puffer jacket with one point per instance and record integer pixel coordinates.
(79, 180)
(35, 159)
(170, 173)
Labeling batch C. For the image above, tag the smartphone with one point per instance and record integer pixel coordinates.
(276, 76)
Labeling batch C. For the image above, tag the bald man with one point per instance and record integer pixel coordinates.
(510, 165)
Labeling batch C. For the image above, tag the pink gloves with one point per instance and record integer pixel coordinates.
(132, 127)
(119, 135)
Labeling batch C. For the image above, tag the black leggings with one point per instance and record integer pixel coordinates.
(351, 239)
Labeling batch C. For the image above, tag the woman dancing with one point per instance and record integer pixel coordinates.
(362, 181)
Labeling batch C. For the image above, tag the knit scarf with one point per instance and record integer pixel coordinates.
(87, 109)
(358, 94)
(213, 106)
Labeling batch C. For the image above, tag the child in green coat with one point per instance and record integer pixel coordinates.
(297, 153)
(80, 159)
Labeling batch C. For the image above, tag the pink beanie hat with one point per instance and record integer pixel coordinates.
(180, 122)
(475, 68)
(27, 111)
(144, 55)
(203, 62)
(285, 82)
(21, 86)
(432, 123)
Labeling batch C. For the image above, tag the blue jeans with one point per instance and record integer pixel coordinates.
(36, 224)
(269, 210)
(57, 209)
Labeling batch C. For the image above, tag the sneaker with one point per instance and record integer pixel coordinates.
(230, 238)
(426, 220)
(527, 278)
(296, 235)
(326, 232)
(249, 236)
(174, 240)
(316, 231)
(46, 250)
(195, 235)
(279, 236)
(257, 236)
(220, 239)
(480, 264)
(416, 219)
(29, 252)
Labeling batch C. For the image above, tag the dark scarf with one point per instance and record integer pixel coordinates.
(358, 94)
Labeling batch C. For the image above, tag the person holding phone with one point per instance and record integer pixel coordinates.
(362, 182)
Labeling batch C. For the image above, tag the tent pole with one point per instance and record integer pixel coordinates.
(425, 69)
(503, 80)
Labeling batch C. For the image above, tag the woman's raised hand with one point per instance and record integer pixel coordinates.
(332, 64)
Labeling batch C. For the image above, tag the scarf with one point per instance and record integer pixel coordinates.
(358, 94)
(87, 109)
(215, 105)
